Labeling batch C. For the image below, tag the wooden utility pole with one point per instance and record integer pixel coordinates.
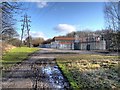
(26, 29)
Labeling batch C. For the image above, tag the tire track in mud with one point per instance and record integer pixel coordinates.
(38, 72)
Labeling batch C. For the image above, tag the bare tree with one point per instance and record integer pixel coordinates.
(112, 15)
(112, 18)
(8, 10)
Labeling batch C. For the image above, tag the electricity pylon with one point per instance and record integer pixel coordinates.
(25, 28)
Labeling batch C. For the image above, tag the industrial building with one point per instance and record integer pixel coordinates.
(77, 43)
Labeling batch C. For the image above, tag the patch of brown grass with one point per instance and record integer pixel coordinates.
(4, 47)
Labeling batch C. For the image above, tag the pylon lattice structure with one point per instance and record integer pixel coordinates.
(25, 29)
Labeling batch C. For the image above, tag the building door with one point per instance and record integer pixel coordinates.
(76, 46)
(88, 47)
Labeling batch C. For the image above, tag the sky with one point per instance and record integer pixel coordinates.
(49, 19)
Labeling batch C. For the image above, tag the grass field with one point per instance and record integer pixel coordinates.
(16, 55)
(91, 72)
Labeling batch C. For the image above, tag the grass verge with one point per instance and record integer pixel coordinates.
(16, 55)
(69, 76)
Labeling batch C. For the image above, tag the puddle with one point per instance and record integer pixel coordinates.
(55, 77)
(51, 75)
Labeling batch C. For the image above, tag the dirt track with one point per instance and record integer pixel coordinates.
(39, 71)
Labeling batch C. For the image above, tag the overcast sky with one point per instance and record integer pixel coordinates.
(51, 19)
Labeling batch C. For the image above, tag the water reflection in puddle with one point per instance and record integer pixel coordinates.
(54, 76)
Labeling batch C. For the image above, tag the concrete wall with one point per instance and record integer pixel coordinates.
(65, 46)
(101, 45)
(57, 45)
(83, 46)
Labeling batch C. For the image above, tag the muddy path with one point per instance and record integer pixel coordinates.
(40, 71)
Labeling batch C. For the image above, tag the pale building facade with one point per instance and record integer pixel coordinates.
(95, 43)
(71, 43)
(100, 45)
(62, 43)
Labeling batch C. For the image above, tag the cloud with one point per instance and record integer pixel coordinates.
(39, 3)
(66, 28)
(37, 34)
(42, 4)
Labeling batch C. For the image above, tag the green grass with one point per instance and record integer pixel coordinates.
(91, 72)
(69, 76)
(16, 55)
